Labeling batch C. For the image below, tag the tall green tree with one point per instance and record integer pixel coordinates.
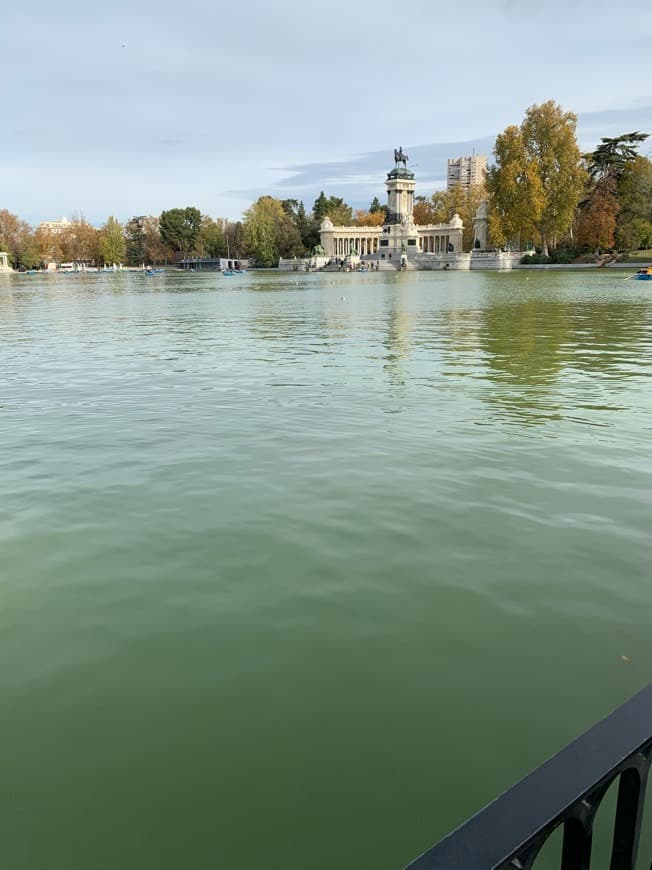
(635, 188)
(634, 229)
(211, 241)
(270, 232)
(112, 246)
(635, 234)
(135, 233)
(28, 255)
(320, 207)
(144, 245)
(306, 225)
(180, 228)
(612, 156)
(333, 207)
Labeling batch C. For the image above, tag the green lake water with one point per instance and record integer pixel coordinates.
(298, 571)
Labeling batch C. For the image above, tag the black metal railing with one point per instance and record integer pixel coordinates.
(566, 790)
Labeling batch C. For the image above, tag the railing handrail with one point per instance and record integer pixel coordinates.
(566, 788)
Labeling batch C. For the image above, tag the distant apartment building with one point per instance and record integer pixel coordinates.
(55, 227)
(467, 171)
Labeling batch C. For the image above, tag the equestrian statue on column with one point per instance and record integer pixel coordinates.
(400, 157)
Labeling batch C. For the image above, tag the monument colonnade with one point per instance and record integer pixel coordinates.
(342, 241)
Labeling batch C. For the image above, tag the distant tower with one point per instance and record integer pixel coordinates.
(467, 171)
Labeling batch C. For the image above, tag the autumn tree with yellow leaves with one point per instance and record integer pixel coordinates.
(364, 218)
(537, 179)
(443, 204)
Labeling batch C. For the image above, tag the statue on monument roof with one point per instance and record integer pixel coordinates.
(400, 157)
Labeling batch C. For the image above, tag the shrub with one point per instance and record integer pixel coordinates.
(535, 260)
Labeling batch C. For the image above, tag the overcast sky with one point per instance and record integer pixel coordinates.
(131, 107)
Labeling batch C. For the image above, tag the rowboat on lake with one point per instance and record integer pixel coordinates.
(644, 274)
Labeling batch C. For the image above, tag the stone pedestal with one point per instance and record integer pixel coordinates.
(400, 193)
(400, 237)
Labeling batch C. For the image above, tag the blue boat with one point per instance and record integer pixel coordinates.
(644, 274)
(228, 272)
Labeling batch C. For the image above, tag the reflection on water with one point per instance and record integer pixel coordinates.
(399, 338)
(532, 348)
(549, 358)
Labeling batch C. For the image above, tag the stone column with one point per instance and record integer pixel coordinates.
(481, 228)
(327, 237)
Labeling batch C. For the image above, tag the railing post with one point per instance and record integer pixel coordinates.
(578, 830)
(576, 851)
(629, 814)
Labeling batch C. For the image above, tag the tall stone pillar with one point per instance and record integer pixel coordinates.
(327, 237)
(400, 193)
(481, 227)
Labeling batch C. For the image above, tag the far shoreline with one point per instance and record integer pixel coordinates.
(539, 266)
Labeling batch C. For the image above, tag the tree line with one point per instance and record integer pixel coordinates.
(542, 191)
(144, 239)
(271, 228)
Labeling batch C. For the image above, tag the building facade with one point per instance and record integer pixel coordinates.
(467, 171)
(55, 227)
